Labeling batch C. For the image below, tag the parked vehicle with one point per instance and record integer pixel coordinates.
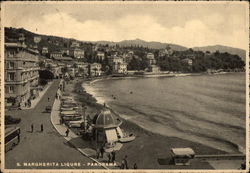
(10, 120)
(12, 137)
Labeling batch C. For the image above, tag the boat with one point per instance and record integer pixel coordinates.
(69, 113)
(123, 138)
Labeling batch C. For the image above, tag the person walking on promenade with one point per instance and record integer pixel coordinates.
(48, 99)
(32, 128)
(125, 162)
(41, 127)
(113, 156)
(135, 166)
(67, 132)
(109, 157)
(102, 151)
(97, 153)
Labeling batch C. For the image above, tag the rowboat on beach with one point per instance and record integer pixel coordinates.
(123, 138)
(71, 118)
(69, 108)
(69, 105)
(72, 112)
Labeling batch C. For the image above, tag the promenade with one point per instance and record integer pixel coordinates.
(76, 141)
(47, 146)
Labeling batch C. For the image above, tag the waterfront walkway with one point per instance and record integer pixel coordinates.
(43, 147)
(76, 141)
(37, 99)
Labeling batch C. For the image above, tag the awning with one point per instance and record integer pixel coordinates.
(111, 135)
(183, 151)
(119, 132)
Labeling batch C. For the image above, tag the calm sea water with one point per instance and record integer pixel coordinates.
(208, 109)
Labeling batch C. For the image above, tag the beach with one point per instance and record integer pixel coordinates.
(148, 149)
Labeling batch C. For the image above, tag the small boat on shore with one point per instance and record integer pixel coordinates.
(124, 138)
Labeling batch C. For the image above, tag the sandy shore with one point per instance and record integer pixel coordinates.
(148, 150)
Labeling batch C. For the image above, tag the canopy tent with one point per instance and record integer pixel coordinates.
(183, 152)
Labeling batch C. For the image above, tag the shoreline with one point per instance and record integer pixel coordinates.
(153, 145)
(92, 102)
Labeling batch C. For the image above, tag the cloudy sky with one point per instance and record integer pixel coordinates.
(187, 24)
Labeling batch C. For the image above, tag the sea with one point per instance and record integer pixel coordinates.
(207, 109)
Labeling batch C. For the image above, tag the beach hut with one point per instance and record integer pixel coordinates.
(104, 128)
(182, 156)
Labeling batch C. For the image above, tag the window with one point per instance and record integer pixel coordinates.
(11, 76)
(11, 65)
(11, 89)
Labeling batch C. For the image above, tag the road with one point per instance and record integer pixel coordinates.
(47, 146)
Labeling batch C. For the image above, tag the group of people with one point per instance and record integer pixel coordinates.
(32, 128)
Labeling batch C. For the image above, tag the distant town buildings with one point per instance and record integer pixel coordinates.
(56, 54)
(75, 44)
(188, 61)
(100, 55)
(118, 65)
(45, 50)
(21, 75)
(95, 69)
(151, 58)
(76, 53)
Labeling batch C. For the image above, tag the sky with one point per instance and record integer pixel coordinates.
(188, 24)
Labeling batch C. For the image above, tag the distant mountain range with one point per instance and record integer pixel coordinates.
(55, 42)
(158, 45)
(139, 42)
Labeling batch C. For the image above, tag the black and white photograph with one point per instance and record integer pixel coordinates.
(124, 85)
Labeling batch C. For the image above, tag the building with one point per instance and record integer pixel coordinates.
(76, 53)
(21, 75)
(188, 61)
(118, 65)
(154, 69)
(65, 51)
(151, 59)
(82, 68)
(56, 54)
(95, 69)
(45, 50)
(75, 44)
(105, 129)
(100, 55)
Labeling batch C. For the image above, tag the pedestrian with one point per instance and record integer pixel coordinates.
(32, 128)
(41, 127)
(102, 151)
(48, 99)
(113, 156)
(56, 96)
(67, 132)
(125, 162)
(135, 166)
(109, 157)
(122, 165)
(97, 153)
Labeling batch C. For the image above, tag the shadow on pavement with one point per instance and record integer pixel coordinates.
(165, 161)
(78, 142)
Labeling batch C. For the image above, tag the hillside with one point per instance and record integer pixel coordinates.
(58, 43)
(139, 42)
(220, 48)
